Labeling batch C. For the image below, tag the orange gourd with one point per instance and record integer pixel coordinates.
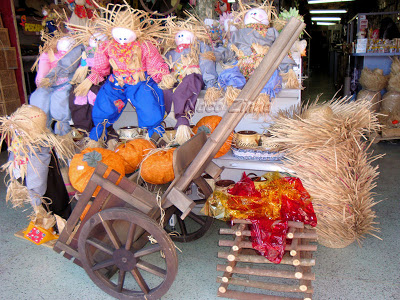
(208, 124)
(133, 153)
(157, 168)
(80, 170)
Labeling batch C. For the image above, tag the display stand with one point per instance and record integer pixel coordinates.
(291, 277)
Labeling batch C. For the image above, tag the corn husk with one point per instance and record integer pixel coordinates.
(331, 156)
(373, 80)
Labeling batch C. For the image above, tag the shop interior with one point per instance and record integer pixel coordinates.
(149, 151)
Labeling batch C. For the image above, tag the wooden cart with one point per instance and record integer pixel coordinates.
(121, 232)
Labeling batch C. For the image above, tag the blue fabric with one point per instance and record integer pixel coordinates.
(274, 85)
(54, 102)
(231, 77)
(145, 96)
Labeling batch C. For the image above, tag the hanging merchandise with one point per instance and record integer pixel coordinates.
(59, 58)
(246, 48)
(82, 11)
(325, 147)
(372, 82)
(138, 70)
(192, 64)
(30, 143)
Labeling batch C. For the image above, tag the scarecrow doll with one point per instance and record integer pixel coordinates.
(247, 46)
(192, 64)
(56, 66)
(30, 147)
(138, 71)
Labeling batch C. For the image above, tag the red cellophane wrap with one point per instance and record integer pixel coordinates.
(269, 207)
(269, 238)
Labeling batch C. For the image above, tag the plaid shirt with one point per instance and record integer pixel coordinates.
(152, 62)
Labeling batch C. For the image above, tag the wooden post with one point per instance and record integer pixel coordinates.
(247, 96)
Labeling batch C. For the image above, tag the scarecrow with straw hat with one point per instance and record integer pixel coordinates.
(30, 145)
(247, 46)
(138, 71)
(193, 65)
(56, 66)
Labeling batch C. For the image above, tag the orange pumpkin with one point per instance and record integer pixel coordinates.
(208, 124)
(158, 168)
(133, 153)
(82, 166)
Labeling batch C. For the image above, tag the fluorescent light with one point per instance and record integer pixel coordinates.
(328, 11)
(326, 23)
(325, 19)
(326, 1)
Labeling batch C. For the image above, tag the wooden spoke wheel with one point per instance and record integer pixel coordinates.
(116, 241)
(195, 225)
(159, 7)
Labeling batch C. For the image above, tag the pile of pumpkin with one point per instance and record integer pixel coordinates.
(156, 164)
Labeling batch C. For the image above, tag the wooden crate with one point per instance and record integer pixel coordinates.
(246, 268)
(8, 58)
(4, 38)
(11, 106)
(9, 93)
(2, 110)
(7, 77)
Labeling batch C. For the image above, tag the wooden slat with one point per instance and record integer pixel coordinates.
(297, 235)
(246, 296)
(181, 201)
(265, 272)
(286, 260)
(264, 285)
(248, 245)
(214, 170)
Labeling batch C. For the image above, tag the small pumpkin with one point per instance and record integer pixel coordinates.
(133, 153)
(83, 164)
(157, 168)
(208, 124)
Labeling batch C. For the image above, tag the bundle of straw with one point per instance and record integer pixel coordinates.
(327, 150)
(373, 80)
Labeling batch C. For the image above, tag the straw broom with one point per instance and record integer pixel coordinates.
(329, 153)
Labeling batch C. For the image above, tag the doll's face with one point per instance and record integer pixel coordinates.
(65, 44)
(184, 37)
(256, 15)
(96, 38)
(123, 35)
(44, 12)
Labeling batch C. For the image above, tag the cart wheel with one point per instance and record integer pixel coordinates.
(117, 234)
(162, 7)
(194, 226)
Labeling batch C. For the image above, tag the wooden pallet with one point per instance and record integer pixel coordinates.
(294, 267)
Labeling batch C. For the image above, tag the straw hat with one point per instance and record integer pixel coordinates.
(29, 120)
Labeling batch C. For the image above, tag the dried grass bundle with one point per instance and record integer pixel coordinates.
(260, 106)
(395, 67)
(394, 83)
(373, 80)
(17, 193)
(231, 94)
(330, 155)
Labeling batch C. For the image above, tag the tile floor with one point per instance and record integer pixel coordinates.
(368, 272)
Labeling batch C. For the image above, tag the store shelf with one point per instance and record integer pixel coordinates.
(376, 54)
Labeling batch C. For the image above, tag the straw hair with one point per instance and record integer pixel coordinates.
(242, 10)
(212, 95)
(394, 83)
(17, 194)
(167, 82)
(289, 80)
(332, 158)
(124, 16)
(183, 134)
(373, 80)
